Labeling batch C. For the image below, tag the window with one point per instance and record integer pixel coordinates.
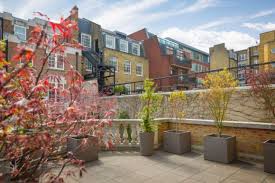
(242, 57)
(110, 42)
(113, 62)
(20, 32)
(56, 61)
(273, 50)
(127, 67)
(194, 67)
(169, 50)
(139, 87)
(86, 40)
(89, 65)
(57, 85)
(136, 49)
(128, 88)
(123, 45)
(180, 55)
(139, 70)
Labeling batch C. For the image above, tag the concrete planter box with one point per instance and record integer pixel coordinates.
(146, 143)
(177, 142)
(86, 152)
(269, 156)
(220, 149)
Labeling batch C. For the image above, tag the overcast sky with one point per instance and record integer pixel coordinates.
(200, 23)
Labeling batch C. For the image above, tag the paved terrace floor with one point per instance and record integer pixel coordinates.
(162, 167)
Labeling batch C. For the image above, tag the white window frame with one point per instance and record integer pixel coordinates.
(86, 64)
(121, 41)
(90, 40)
(243, 56)
(138, 49)
(139, 65)
(111, 60)
(113, 40)
(273, 50)
(127, 61)
(62, 82)
(55, 62)
(129, 86)
(25, 35)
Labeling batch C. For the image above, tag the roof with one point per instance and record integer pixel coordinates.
(187, 46)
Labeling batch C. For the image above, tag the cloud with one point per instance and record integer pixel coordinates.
(262, 13)
(136, 15)
(204, 39)
(260, 26)
(200, 5)
(213, 24)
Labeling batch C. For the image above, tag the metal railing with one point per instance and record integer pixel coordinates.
(192, 80)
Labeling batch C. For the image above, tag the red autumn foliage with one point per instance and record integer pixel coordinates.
(263, 90)
(35, 129)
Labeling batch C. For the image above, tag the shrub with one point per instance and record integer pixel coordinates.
(33, 130)
(263, 91)
(150, 104)
(119, 89)
(221, 87)
(177, 101)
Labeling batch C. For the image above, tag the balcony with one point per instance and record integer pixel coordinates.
(185, 63)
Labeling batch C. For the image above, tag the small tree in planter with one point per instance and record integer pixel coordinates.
(264, 94)
(177, 141)
(221, 86)
(151, 102)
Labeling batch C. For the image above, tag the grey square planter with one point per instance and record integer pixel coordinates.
(177, 142)
(220, 149)
(87, 152)
(269, 156)
(146, 143)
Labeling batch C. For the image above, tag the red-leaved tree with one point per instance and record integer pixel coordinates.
(263, 91)
(34, 129)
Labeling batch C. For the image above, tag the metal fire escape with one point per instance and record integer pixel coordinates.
(100, 71)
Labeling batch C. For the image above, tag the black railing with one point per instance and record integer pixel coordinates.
(192, 80)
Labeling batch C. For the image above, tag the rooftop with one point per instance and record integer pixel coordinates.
(162, 167)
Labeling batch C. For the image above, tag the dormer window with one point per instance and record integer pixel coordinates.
(110, 42)
(20, 32)
(123, 45)
(86, 40)
(136, 49)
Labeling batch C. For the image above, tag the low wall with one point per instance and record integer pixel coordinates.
(250, 135)
(242, 107)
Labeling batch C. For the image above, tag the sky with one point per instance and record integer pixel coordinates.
(199, 23)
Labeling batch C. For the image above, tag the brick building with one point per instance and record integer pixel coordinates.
(17, 31)
(170, 57)
(127, 57)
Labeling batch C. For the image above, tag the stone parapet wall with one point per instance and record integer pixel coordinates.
(242, 107)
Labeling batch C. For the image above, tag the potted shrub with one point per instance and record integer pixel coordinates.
(264, 94)
(177, 141)
(119, 89)
(221, 86)
(150, 105)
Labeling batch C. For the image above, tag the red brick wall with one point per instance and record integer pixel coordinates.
(139, 35)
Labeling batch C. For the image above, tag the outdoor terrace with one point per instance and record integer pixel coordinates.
(163, 167)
